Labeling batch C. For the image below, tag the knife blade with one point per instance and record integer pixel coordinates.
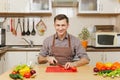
(58, 64)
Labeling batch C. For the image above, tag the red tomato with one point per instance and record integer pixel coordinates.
(73, 69)
(27, 75)
(113, 68)
(103, 68)
(108, 68)
(14, 72)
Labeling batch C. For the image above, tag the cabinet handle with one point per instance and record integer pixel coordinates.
(105, 57)
(101, 7)
(37, 55)
(102, 57)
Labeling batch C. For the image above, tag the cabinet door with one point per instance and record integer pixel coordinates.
(19, 5)
(3, 5)
(109, 6)
(14, 58)
(33, 57)
(41, 6)
(88, 6)
(1, 63)
(112, 56)
(95, 57)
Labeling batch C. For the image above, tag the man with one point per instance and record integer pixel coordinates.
(62, 47)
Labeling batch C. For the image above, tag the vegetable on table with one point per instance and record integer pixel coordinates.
(107, 69)
(22, 71)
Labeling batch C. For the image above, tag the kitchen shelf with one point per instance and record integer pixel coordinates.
(15, 14)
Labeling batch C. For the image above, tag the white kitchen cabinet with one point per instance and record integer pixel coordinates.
(112, 56)
(88, 6)
(14, 58)
(99, 6)
(32, 56)
(109, 6)
(41, 6)
(103, 57)
(29, 6)
(4, 5)
(19, 5)
(95, 57)
(1, 63)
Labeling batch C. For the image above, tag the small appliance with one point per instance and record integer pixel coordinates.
(106, 39)
(2, 37)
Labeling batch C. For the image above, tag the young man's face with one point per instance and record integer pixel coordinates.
(61, 26)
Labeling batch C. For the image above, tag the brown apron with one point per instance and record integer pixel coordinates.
(62, 54)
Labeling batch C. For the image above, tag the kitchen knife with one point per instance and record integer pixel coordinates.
(58, 64)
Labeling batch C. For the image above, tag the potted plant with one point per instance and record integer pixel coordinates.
(84, 36)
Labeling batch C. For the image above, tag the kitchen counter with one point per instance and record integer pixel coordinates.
(20, 48)
(3, 50)
(84, 73)
(103, 49)
(38, 47)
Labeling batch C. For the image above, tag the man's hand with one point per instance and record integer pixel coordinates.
(51, 59)
(69, 65)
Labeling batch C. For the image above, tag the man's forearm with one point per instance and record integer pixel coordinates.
(81, 62)
(42, 59)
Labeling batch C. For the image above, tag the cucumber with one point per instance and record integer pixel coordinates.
(16, 76)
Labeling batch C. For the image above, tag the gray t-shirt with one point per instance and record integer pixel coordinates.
(77, 50)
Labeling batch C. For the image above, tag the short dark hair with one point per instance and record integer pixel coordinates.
(60, 17)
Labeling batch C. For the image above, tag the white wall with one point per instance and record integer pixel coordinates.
(76, 23)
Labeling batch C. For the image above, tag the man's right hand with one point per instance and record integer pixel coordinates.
(51, 59)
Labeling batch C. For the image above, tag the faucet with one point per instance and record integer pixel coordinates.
(30, 42)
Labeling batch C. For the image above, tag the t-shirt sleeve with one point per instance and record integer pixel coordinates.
(80, 52)
(45, 49)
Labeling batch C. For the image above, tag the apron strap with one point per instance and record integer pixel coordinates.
(53, 44)
(69, 41)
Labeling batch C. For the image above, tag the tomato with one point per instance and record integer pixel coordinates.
(103, 68)
(108, 68)
(14, 72)
(27, 75)
(113, 68)
(73, 69)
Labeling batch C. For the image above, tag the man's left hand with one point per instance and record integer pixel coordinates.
(69, 65)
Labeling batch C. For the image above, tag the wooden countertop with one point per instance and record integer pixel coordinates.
(84, 73)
